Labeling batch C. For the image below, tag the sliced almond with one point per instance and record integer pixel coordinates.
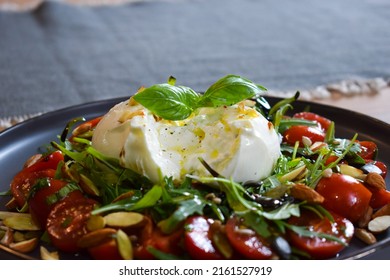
(352, 171)
(365, 236)
(21, 223)
(125, 247)
(46, 255)
(124, 196)
(379, 224)
(292, 174)
(366, 218)
(25, 246)
(383, 211)
(375, 180)
(124, 219)
(96, 237)
(303, 192)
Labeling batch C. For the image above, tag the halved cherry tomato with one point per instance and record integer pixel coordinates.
(198, 241)
(106, 251)
(344, 195)
(248, 242)
(39, 206)
(369, 149)
(49, 161)
(323, 122)
(379, 198)
(150, 236)
(23, 181)
(85, 127)
(66, 223)
(318, 247)
(296, 132)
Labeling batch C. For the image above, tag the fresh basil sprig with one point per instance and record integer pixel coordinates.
(172, 102)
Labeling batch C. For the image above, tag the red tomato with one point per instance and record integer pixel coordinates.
(198, 241)
(106, 251)
(66, 223)
(344, 195)
(151, 236)
(296, 132)
(85, 127)
(323, 122)
(380, 197)
(40, 208)
(369, 149)
(316, 247)
(23, 181)
(248, 243)
(47, 162)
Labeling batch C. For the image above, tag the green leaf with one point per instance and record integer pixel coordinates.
(168, 101)
(284, 212)
(186, 208)
(230, 90)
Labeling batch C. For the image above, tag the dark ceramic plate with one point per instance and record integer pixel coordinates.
(25, 139)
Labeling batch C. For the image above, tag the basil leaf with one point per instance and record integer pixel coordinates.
(230, 90)
(168, 101)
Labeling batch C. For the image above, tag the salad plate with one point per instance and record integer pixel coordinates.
(30, 137)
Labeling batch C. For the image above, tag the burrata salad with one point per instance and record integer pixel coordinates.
(170, 173)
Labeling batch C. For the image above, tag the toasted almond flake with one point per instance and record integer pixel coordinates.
(95, 222)
(366, 218)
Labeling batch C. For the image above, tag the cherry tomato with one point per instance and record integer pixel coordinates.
(85, 127)
(296, 132)
(106, 251)
(198, 241)
(151, 236)
(248, 242)
(344, 195)
(39, 206)
(23, 181)
(323, 122)
(369, 149)
(66, 223)
(380, 197)
(317, 247)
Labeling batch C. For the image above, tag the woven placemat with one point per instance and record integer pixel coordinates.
(346, 88)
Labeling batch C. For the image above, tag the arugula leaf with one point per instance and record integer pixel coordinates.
(168, 101)
(186, 208)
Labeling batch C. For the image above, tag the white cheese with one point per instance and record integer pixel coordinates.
(236, 141)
